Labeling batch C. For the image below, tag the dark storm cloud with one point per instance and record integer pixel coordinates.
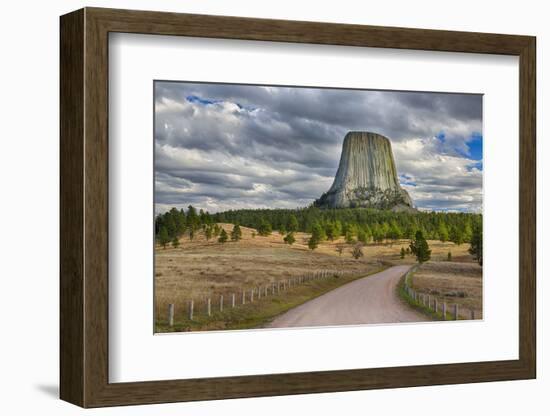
(223, 146)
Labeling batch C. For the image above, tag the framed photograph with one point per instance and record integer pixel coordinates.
(256, 207)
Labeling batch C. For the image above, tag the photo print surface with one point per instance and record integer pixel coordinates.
(286, 206)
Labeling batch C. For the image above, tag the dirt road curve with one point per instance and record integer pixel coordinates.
(370, 300)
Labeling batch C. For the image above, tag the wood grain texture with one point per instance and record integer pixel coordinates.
(527, 208)
(71, 217)
(84, 207)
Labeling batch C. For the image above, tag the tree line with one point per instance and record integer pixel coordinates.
(362, 225)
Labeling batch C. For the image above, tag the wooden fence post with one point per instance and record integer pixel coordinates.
(251, 295)
(444, 310)
(265, 294)
(456, 311)
(435, 305)
(232, 300)
(472, 314)
(221, 303)
(429, 302)
(171, 314)
(191, 310)
(209, 307)
(244, 297)
(259, 292)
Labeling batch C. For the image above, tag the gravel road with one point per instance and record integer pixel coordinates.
(370, 300)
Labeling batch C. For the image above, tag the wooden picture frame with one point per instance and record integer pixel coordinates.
(84, 207)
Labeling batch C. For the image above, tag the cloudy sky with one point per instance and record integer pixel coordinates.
(223, 146)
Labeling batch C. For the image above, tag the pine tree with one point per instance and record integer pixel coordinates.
(175, 242)
(316, 237)
(289, 239)
(292, 225)
(313, 243)
(449, 256)
(394, 232)
(208, 232)
(265, 228)
(318, 232)
(456, 236)
(164, 239)
(443, 232)
(349, 237)
(377, 234)
(223, 236)
(385, 230)
(419, 247)
(170, 225)
(180, 221)
(362, 236)
(338, 229)
(236, 234)
(330, 231)
(476, 243)
(410, 231)
(368, 233)
(193, 219)
(467, 231)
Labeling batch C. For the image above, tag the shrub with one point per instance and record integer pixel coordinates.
(289, 239)
(223, 237)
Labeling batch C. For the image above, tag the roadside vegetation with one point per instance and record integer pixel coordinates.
(253, 314)
(449, 282)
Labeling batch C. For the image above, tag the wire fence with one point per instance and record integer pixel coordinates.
(433, 304)
(193, 309)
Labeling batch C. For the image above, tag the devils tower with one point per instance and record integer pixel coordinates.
(366, 176)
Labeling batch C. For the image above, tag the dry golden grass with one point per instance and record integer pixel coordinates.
(200, 269)
(454, 283)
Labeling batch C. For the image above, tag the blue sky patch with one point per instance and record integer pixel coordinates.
(477, 165)
(405, 179)
(475, 146)
(198, 100)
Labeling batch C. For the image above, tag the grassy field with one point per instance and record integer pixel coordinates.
(255, 314)
(201, 269)
(453, 283)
